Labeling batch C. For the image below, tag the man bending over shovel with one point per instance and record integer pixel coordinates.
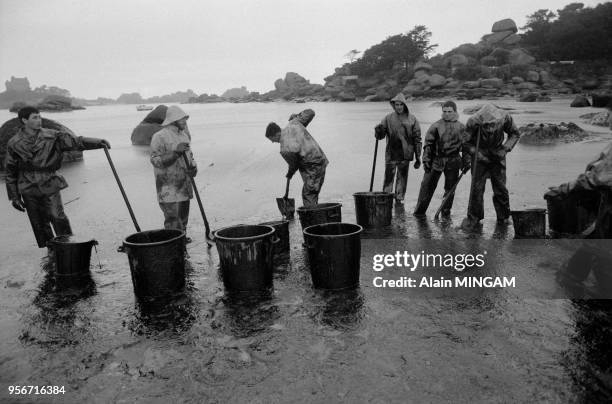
(301, 152)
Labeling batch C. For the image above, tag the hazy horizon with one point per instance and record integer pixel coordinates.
(103, 49)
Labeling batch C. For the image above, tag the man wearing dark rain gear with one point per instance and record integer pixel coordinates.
(442, 153)
(593, 254)
(32, 157)
(489, 124)
(403, 135)
(301, 152)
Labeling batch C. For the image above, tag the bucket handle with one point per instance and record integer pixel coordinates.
(276, 240)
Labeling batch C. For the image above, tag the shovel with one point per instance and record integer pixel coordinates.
(447, 197)
(210, 241)
(127, 203)
(285, 204)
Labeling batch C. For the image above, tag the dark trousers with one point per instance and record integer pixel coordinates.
(429, 184)
(176, 214)
(313, 176)
(398, 172)
(46, 214)
(496, 172)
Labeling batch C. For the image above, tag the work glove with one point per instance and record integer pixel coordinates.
(427, 166)
(192, 171)
(465, 165)
(379, 132)
(18, 204)
(181, 148)
(557, 193)
(95, 143)
(289, 174)
(417, 164)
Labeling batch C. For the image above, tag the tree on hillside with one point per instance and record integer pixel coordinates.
(578, 33)
(352, 55)
(405, 48)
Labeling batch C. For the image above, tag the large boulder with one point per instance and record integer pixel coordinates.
(346, 96)
(10, 128)
(520, 57)
(513, 39)
(597, 118)
(496, 37)
(280, 85)
(469, 50)
(492, 83)
(157, 115)
(602, 100)
(437, 81)
(528, 86)
(580, 101)
(533, 76)
(422, 66)
(144, 131)
(550, 133)
(517, 80)
(295, 80)
(458, 60)
(504, 25)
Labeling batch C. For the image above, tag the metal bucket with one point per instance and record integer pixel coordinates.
(572, 215)
(72, 258)
(319, 214)
(281, 230)
(157, 262)
(334, 252)
(529, 223)
(373, 209)
(245, 255)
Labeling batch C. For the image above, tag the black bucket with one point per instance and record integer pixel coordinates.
(157, 262)
(245, 255)
(281, 229)
(572, 215)
(334, 252)
(373, 209)
(319, 214)
(72, 258)
(529, 223)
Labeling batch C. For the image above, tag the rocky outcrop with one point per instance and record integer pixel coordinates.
(580, 101)
(51, 103)
(144, 131)
(504, 25)
(549, 133)
(10, 128)
(597, 118)
(241, 92)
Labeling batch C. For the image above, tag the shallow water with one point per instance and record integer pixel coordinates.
(295, 343)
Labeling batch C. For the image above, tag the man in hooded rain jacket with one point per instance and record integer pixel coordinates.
(403, 135)
(32, 157)
(594, 253)
(489, 124)
(172, 175)
(442, 153)
(301, 152)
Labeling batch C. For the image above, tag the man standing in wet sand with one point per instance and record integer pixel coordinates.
(171, 173)
(403, 135)
(32, 157)
(486, 128)
(301, 152)
(442, 153)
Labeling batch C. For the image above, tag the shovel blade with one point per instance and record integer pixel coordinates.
(286, 207)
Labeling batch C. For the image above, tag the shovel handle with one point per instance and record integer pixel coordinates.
(287, 189)
(374, 165)
(209, 237)
(112, 166)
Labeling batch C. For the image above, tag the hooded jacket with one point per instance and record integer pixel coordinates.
(491, 146)
(444, 140)
(31, 161)
(403, 134)
(298, 147)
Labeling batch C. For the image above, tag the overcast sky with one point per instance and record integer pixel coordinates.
(108, 47)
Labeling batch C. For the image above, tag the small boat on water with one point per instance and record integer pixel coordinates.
(144, 108)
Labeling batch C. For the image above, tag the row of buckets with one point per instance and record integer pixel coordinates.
(246, 252)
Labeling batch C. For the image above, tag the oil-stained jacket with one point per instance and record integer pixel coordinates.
(299, 149)
(444, 140)
(31, 161)
(171, 180)
(403, 134)
(491, 146)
